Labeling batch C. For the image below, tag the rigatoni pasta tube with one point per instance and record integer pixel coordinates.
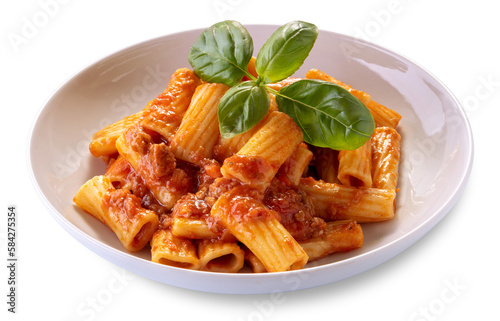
(120, 210)
(382, 115)
(339, 202)
(254, 262)
(133, 144)
(294, 167)
(199, 129)
(164, 113)
(386, 145)
(283, 83)
(227, 147)
(191, 228)
(258, 161)
(121, 173)
(171, 250)
(218, 256)
(355, 166)
(155, 164)
(104, 141)
(338, 236)
(189, 218)
(253, 224)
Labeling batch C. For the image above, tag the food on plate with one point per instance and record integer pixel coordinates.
(239, 161)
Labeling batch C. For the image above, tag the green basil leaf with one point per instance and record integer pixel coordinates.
(241, 108)
(328, 115)
(222, 52)
(285, 51)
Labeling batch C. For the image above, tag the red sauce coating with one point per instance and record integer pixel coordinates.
(123, 175)
(208, 173)
(120, 172)
(296, 211)
(243, 204)
(158, 168)
(252, 169)
(167, 110)
(122, 201)
(190, 206)
(150, 202)
(138, 139)
(219, 187)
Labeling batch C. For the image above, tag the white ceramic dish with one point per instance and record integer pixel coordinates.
(437, 151)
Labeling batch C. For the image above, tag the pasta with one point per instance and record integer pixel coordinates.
(339, 236)
(258, 161)
(199, 130)
(386, 145)
(104, 141)
(355, 166)
(171, 250)
(295, 166)
(217, 256)
(263, 199)
(192, 228)
(340, 202)
(226, 147)
(164, 114)
(120, 210)
(259, 229)
(156, 164)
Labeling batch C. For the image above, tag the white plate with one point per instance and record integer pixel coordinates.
(437, 151)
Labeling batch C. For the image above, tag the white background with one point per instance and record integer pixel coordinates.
(450, 274)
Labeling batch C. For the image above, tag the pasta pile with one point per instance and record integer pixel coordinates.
(263, 198)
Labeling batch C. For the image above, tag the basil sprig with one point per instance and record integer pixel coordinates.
(328, 115)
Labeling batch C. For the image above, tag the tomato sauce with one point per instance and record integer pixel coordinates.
(123, 202)
(296, 211)
(250, 169)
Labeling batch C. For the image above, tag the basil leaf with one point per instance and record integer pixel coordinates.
(328, 115)
(222, 52)
(285, 51)
(241, 108)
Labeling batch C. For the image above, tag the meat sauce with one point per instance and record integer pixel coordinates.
(196, 207)
(190, 206)
(123, 176)
(251, 168)
(158, 168)
(157, 165)
(123, 201)
(296, 211)
(240, 205)
(203, 185)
